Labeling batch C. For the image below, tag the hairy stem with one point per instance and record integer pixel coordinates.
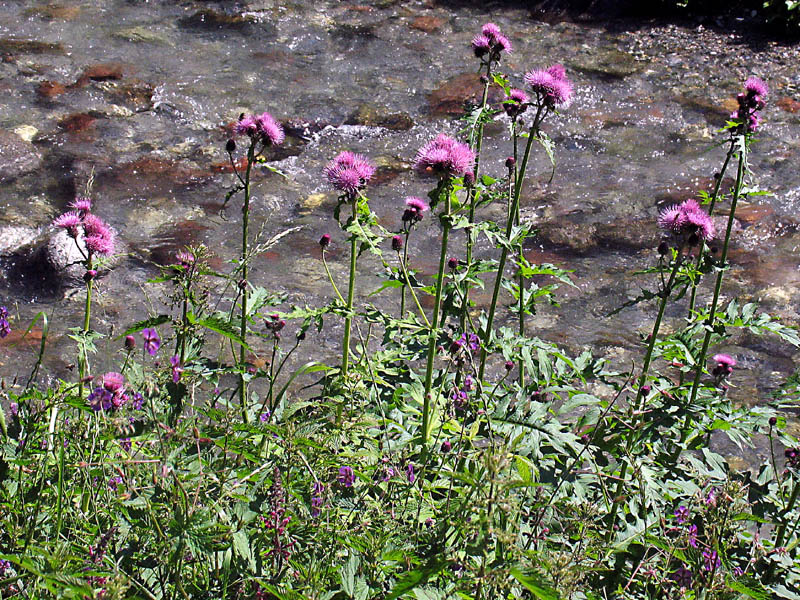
(351, 287)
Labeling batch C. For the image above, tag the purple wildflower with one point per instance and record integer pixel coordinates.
(682, 576)
(444, 157)
(151, 341)
(692, 536)
(446, 446)
(114, 382)
(711, 561)
(490, 30)
(70, 221)
(415, 207)
(346, 476)
(185, 258)
(756, 87)
(349, 172)
(100, 238)
(481, 45)
(325, 241)
(316, 498)
(681, 514)
(246, 126)
(269, 129)
(558, 71)
(5, 567)
(125, 444)
(397, 243)
(725, 360)
(687, 219)
(5, 327)
(551, 91)
(114, 482)
(711, 497)
(101, 399)
(82, 205)
(177, 370)
(13, 408)
(138, 401)
(516, 103)
(410, 473)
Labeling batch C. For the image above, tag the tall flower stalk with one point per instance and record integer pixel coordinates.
(93, 238)
(745, 121)
(446, 159)
(262, 131)
(552, 90)
(349, 173)
(488, 46)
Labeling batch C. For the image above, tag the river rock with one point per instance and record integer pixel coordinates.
(377, 116)
(50, 89)
(54, 12)
(607, 62)
(101, 72)
(143, 35)
(450, 97)
(427, 23)
(17, 157)
(15, 237)
(13, 46)
(76, 122)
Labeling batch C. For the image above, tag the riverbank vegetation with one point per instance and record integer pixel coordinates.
(450, 453)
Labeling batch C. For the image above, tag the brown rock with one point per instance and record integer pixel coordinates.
(428, 24)
(50, 89)
(373, 116)
(450, 97)
(753, 213)
(76, 122)
(790, 105)
(101, 72)
(54, 12)
(212, 19)
(12, 46)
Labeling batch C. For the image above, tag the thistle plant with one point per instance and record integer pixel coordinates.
(552, 90)
(349, 173)
(445, 159)
(262, 131)
(94, 240)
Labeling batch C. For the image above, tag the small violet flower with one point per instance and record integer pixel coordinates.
(346, 476)
(681, 514)
(682, 576)
(177, 370)
(151, 341)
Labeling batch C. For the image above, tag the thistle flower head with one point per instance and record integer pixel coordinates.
(349, 172)
(481, 45)
(558, 71)
(671, 218)
(246, 125)
(490, 30)
(114, 382)
(552, 91)
(70, 221)
(444, 157)
(415, 207)
(756, 87)
(687, 218)
(81, 204)
(269, 129)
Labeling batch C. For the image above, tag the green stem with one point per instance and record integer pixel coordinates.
(351, 287)
(83, 362)
(402, 263)
(434, 331)
(504, 253)
(665, 293)
(521, 278)
(472, 193)
(701, 358)
(411, 289)
(714, 196)
(243, 323)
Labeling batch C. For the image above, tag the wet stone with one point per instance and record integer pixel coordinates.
(567, 233)
(607, 62)
(376, 116)
(17, 157)
(428, 24)
(13, 238)
(101, 72)
(450, 97)
(212, 19)
(789, 105)
(76, 122)
(12, 46)
(54, 12)
(50, 89)
(142, 35)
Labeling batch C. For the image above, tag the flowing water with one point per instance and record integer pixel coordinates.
(140, 95)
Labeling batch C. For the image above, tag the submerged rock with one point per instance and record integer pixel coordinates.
(377, 116)
(17, 157)
(12, 46)
(450, 97)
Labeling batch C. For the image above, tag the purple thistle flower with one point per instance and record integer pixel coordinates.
(682, 576)
(481, 45)
(444, 157)
(490, 30)
(688, 219)
(501, 44)
(724, 360)
(681, 514)
(415, 207)
(269, 129)
(518, 95)
(397, 243)
(349, 172)
(177, 371)
(185, 258)
(671, 219)
(558, 71)
(756, 87)
(81, 204)
(699, 223)
(246, 126)
(151, 341)
(13, 408)
(99, 244)
(346, 476)
(70, 221)
(550, 90)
